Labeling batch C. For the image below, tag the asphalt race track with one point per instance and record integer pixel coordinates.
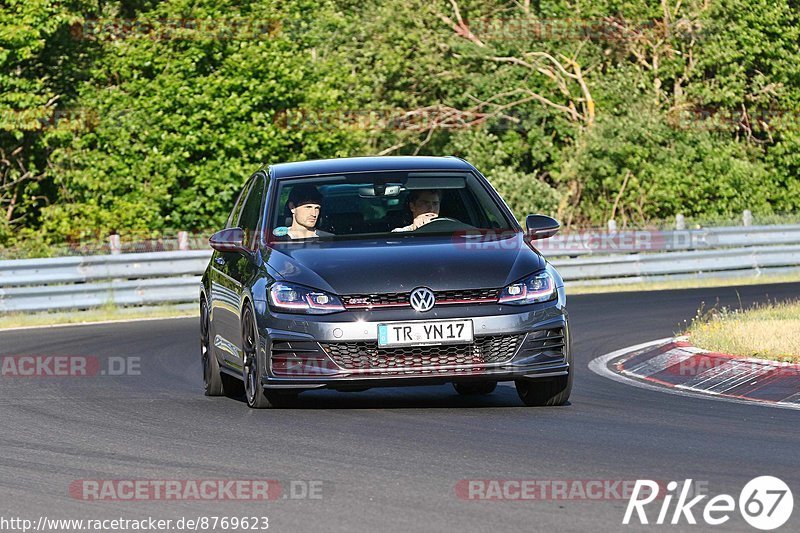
(386, 459)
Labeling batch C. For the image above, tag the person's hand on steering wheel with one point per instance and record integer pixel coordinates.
(423, 219)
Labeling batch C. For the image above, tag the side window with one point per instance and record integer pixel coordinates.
(237, 207)
(251, 212)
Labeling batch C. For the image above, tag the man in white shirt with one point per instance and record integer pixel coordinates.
(424, 206)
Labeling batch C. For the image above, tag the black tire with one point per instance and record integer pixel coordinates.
(252, 371)
(212, 381)
(545, 392)
(473, 389)
(548, 391)
(254, 392)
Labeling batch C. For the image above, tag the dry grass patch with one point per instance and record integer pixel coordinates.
(769, 331)
(574, 287)
(103, 314)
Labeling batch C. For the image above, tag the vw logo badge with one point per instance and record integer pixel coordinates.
(422, 299)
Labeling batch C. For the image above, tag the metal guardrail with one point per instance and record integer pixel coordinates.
(93, 281)
(154, 291)
(584, 258)
(79, 269)
(622, 242)
(617, 268)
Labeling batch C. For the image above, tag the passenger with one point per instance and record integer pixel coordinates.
(305, 202)
(424, 206)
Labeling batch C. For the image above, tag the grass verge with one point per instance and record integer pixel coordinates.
(700, 283)
(104, 314)
(767, 331)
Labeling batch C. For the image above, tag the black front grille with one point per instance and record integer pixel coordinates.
(469, 294)
(366, 355)
(401, 298)
(365, 300)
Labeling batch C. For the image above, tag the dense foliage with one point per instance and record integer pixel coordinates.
(147, 116)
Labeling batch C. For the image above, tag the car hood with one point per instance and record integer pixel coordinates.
(403, 263)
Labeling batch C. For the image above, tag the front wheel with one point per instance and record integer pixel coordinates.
(545, 392)
(257, 397)
(251, 371)
(540, 392)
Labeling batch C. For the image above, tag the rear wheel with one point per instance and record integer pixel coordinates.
(473, 389)
(211, 378)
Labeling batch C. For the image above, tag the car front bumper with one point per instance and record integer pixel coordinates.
(297, 350)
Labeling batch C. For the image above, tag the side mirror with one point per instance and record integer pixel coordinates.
(541, 226)
(228, 240)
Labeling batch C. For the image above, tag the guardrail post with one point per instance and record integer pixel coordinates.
(114, 244)
(747, 218)
(680, 222)
(183, 240)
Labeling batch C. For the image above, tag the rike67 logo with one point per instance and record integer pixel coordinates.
(765, 503)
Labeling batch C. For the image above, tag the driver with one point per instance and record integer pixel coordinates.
(305, 202)
(424, 206)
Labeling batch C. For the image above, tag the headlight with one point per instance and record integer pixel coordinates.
(536, 288)
(291, 298)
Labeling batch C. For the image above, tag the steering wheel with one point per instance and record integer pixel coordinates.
(442, 219)
(445, 224)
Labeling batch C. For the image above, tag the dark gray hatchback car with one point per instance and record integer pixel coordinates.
(367, 272)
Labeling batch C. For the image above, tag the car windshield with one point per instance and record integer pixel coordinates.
(373, 204)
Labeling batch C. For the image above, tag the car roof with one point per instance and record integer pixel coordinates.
(320, 167)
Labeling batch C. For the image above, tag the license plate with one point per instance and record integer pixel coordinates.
(438, 332)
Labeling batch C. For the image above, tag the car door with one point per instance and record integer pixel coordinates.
(239, 266)
(224, 292)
